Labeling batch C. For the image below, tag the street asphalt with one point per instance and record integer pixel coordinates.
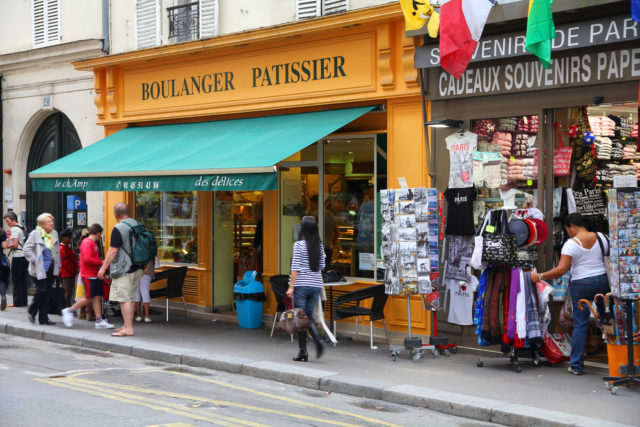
(545, 395)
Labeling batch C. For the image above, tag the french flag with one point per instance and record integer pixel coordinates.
(461, 25)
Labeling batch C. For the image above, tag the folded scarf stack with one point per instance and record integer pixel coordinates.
(528, 124)
(634, 131)
(629, 152)
(607, 173)
(602, 126)
(524, 145)
(485, 128)
(505, 141)
(508, 124)
(625, 127)
(616, 150)
(603, 147)
(637, 166)
(523, 168)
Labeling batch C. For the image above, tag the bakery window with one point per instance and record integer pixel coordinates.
(172, 218)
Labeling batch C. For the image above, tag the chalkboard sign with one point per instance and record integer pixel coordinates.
(590, 201)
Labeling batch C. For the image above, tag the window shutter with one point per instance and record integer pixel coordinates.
(208, 18)
(53, 21)
(45, 22)
(334, 6)
(147, 23)
(307, 9)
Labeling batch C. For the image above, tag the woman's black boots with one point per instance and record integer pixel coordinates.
(302, 356)
(316, 336)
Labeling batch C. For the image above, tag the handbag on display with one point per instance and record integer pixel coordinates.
(556, 348)
(476, 256)
(498, 246)
(293, 321)
(566, 313)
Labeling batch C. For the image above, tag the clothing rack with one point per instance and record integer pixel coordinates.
(510, 353)
(631, 371)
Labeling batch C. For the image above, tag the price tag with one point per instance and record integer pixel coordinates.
(529, 182)
(490, 229)
(513, 159)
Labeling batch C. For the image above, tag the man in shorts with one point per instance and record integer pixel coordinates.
(125, 275)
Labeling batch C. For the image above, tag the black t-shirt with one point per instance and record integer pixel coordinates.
(460, 211)
(116, 238)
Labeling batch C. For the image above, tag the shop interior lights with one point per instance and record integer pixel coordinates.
(446, 123)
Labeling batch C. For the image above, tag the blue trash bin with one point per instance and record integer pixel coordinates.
(249, 296)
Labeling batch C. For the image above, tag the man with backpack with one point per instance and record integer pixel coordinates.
(125, 273)
(15, 240)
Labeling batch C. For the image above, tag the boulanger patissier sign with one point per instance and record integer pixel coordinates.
(491, 73)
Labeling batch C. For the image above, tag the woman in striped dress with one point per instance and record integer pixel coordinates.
(306, 281)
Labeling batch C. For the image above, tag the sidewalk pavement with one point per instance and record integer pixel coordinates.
(546, 395)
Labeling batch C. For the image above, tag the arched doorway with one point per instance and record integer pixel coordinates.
(55, 138)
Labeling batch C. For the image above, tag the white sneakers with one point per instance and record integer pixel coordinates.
(67, 317)
(138, 319)
(146, 319)
(103, 324)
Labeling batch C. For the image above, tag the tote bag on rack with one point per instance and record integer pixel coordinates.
(498, 246)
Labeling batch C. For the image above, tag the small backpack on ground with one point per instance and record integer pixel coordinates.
(143, 245)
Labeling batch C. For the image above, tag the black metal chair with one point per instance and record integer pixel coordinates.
(279, 285)
(175, 279)
(348, 305)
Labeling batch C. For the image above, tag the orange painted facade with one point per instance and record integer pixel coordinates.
(353, 59)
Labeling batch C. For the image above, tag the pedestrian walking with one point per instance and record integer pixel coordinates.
(69, 268)
(42, 251)
(90, 263)
(125, 275)
(306, 281)
(15, 242)
(584, 253)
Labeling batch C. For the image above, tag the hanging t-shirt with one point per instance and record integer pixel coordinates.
(461, 147)
(460, 211)
(461, 300)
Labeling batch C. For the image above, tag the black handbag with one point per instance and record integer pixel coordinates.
(498, 245)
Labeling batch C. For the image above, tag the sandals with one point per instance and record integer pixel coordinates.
(121, 333)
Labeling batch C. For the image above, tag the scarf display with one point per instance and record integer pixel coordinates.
(47, 237)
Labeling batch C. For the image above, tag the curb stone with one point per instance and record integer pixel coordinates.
(294, 375)
(161, 353)
(354, 386)
(220, 362)
(440, 401)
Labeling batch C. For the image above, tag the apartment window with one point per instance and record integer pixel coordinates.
(183, 22)
(45, 22)
(306, 9)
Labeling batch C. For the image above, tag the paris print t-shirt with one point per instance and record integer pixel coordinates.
(461, 147)
(460, 211)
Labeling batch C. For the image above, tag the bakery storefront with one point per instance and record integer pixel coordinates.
(525, 119)
(220, 146)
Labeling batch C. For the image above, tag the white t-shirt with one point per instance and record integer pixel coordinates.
(461, 148)
(585, 262)
(16, 233)
(461, 301)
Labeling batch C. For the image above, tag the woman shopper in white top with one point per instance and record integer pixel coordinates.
(585, 256)
(306, 281)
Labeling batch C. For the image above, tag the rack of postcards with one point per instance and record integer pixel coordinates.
(624, 231)
(410, 239)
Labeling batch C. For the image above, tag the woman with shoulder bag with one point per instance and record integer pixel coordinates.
(585, 256)
(306, 281)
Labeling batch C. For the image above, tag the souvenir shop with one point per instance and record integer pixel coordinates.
(534, 144)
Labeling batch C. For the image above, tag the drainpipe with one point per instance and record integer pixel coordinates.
(105, 26)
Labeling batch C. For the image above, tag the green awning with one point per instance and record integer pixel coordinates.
(209, 156)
